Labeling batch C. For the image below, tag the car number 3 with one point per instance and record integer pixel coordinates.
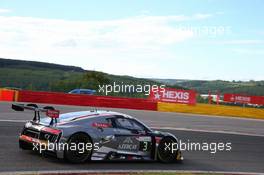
(144, 146)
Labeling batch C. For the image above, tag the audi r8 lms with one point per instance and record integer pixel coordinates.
(94, 135)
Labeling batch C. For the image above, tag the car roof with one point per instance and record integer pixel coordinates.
(92, 114)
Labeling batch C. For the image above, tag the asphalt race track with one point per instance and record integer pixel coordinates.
(246, 136)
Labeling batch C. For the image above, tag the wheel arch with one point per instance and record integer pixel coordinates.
(160, 145)
(80, 132)
(69, 139)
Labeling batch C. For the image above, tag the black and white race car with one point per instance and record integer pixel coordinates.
(95, 135)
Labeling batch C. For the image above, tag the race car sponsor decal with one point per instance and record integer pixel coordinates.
(144, 146)
(144, 143)
(128, 144)
(128, 140)
(51, 130)
(32, 140)
(101, 125)
(53, 113)
(144, 139)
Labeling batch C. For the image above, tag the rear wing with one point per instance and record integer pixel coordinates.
(49, 110)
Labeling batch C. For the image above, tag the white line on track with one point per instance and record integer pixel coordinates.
(13, 121)
(125, 172)
(208, 131)
(212, 116)
(170, 128)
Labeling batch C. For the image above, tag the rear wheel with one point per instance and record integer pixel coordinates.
(167, 152)
(77, 152)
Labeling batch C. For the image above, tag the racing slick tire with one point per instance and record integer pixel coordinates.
(78, 156)
(166, 154)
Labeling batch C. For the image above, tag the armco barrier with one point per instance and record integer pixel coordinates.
(7, 95)
(86, 100)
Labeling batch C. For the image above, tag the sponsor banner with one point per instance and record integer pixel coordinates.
(174, 96)
(237, 98)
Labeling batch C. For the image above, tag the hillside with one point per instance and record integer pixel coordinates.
(41, 76)
(202, 86)
(32, 75)
(21, 64)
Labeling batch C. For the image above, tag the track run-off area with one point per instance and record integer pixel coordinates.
(245, 135)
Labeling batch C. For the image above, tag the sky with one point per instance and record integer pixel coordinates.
(176, 39)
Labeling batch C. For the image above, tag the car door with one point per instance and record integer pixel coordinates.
(105, 137)
(105, 132)
(131, 136)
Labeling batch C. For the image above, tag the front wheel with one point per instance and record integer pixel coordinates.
(167, 150)
(77, 151)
